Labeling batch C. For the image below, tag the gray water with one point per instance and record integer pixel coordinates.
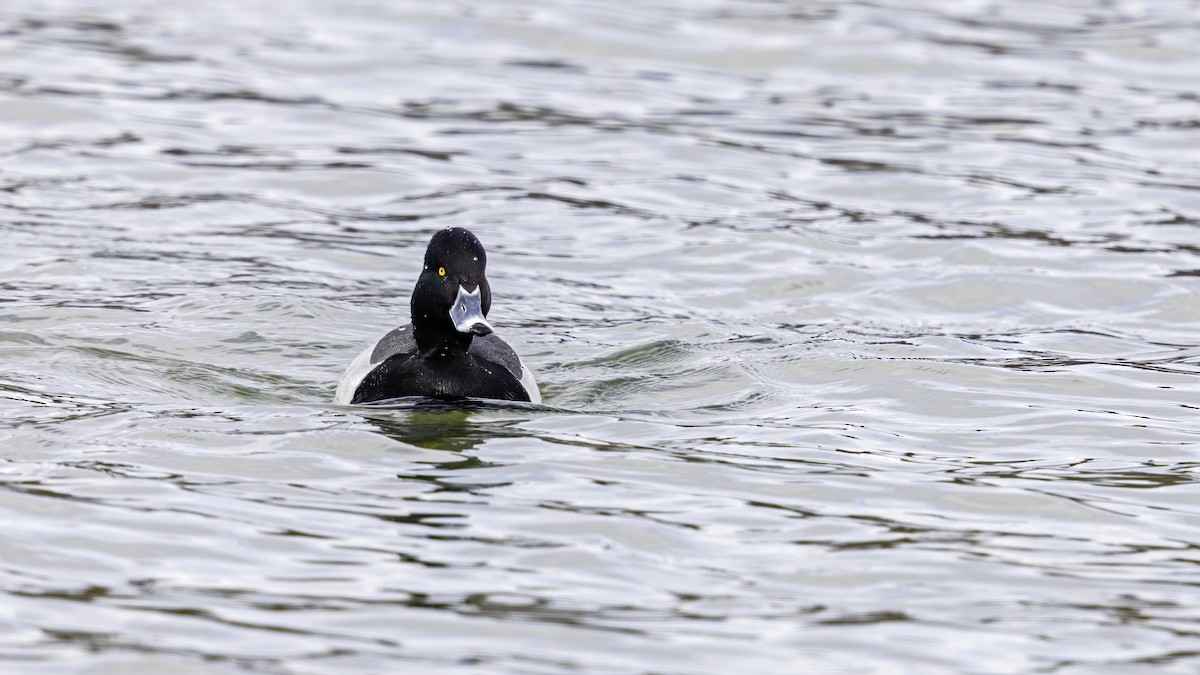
(867, 331)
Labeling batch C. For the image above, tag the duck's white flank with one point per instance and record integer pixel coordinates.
(530, 384)
(354, 376)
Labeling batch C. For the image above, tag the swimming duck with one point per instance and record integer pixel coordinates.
(449, 350)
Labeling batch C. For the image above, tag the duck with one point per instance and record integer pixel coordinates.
(449, 350)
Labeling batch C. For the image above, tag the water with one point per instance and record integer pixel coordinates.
(867, 334)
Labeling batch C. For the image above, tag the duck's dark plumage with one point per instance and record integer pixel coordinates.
(449, 349)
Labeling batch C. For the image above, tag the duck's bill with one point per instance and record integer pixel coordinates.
(467, 313)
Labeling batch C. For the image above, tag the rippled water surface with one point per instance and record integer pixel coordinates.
(867, 331)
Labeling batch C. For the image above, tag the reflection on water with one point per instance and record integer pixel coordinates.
(867, 335)
(433, 425)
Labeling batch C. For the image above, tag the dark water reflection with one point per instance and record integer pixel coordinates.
(866, 331)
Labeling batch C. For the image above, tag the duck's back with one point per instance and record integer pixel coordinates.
(495, 350)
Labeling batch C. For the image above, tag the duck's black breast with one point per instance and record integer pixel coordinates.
(458, 374)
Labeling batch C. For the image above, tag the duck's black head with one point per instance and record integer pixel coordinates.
(452, 295)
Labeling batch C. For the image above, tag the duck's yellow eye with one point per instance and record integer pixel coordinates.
(441, 271)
